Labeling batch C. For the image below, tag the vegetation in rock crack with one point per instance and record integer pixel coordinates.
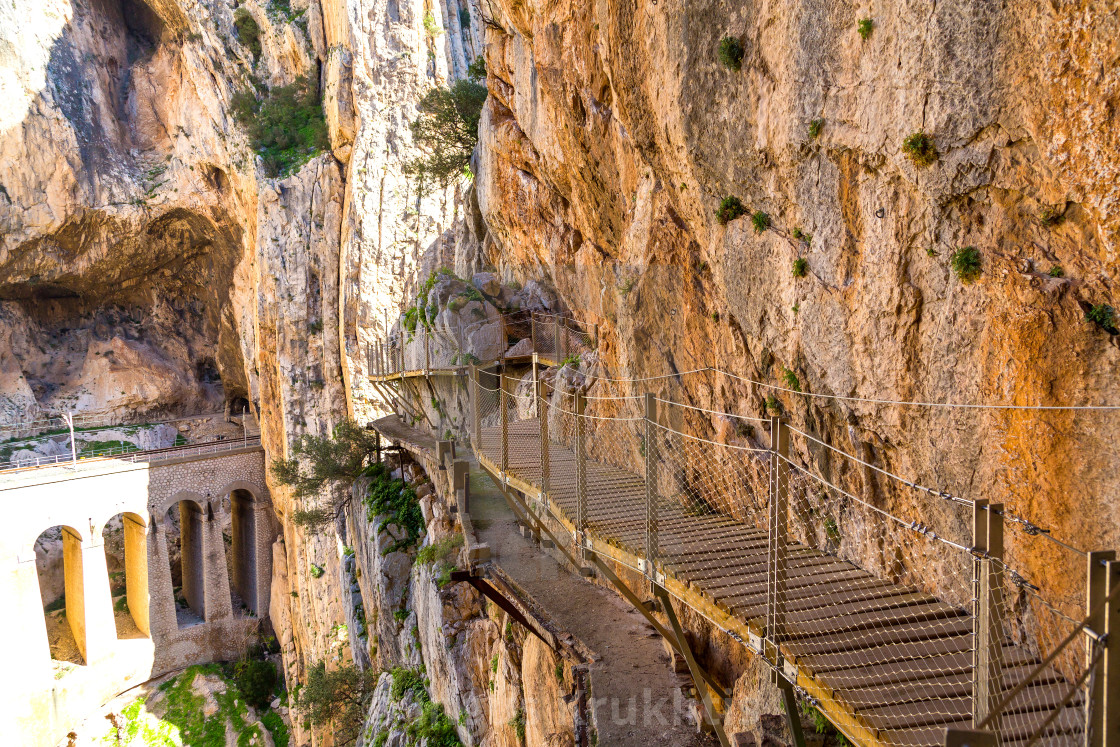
(729, 209)
(966, 264)
(773, 405)
(518, 724)
(1051, 216)
(865, 26)
(446, 130)
(444, 555)
(465, 21)
(790, 379)
(316, 571)
(760, 221)
(815, 128)
(431, 25)
(802, 236)
(337, 698)
(1104, 316)
(396, 502)
(572, 360)
(285, 124)
(1057, 272)
(319, 462)
(248, 31)
(731, 52)
(920, 149)
(800, 267)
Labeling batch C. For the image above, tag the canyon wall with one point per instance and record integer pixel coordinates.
(613, 132)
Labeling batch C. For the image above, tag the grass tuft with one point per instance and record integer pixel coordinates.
(920, 149)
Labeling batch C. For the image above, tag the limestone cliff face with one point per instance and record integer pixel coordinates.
(613, 132)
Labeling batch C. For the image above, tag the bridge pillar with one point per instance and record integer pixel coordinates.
(31, 656)
(99, 635)
(136, 571)
(265, 534)
(162, 618)
(215, 577)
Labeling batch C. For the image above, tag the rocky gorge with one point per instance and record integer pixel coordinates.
(793, 214)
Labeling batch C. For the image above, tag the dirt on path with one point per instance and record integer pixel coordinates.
(636, 698)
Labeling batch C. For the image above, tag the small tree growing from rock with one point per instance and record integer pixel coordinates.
(731, 53)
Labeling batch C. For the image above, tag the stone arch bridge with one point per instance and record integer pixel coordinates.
(210, 504)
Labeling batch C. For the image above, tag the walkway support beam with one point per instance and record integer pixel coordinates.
(694, 669)
(987, 531)
(651, 484)
(778, 539)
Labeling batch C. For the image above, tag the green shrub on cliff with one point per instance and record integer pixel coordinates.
(1104, 316)
(338, 698)
(398, 506)
(731, 52)
(248, 32)
(729, 209)
(285, 125)
(920, 149)
(966, 264)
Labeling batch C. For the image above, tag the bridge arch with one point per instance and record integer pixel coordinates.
(126, 560)
(246, 506)
(184, 518)
(64, 614)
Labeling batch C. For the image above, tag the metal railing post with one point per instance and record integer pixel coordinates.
(558, 341)
(533, 329)
(503, 406)
(651, 484)
(1104, 693)
(581, 468)
(476, 422)
(542, 416)
(778, 537)
(427, 355)
(987, 533)
(502, 337)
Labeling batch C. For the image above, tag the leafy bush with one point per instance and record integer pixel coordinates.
(1057, 272)
(446, 130)
(407, 681)
(518, 724)
(920, 149)
(317, 571)
(760, 221)
(802, 236)
(257, 680)
(815, 128)
(248, 31)
(338, 698)
(441, 551)
(773, 405)
(731, 52)
(274, 722)
(966, 264)
(1104, 316)
(572, 360)
(285, 125)
(465, 20)
(397, 503)
(729, 209)
(790, 379)
(864, 27)
(800, 267)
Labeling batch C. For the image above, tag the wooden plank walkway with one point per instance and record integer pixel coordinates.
(889, 665)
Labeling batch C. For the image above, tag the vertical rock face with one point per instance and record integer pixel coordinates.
(613, 132)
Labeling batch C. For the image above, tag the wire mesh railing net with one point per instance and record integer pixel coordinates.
(486, 407)
(711, 512)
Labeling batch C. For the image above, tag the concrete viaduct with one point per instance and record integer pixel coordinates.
(225, 580)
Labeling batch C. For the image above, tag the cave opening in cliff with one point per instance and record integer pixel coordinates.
(125, 542)
(58, 564)
(144, 29)
(187, 558)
